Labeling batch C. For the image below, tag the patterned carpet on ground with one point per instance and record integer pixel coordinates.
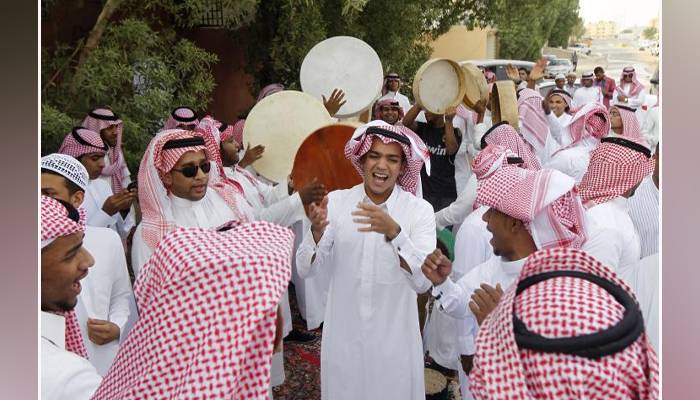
(302, 364)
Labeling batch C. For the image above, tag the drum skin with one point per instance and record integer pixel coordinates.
(504, 103)
(322, 156)
(439, 84)
(476, 86)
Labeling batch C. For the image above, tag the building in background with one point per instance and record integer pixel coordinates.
(602, 30)
(460, 43)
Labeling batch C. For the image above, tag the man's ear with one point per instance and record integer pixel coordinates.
(167, 179)
(76, 199)
(514, 224)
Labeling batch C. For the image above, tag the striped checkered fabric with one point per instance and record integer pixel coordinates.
(558, 308)
(97, 120)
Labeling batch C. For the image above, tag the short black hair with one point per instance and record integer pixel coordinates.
(524, 69)
(598, 69)
(72, 186)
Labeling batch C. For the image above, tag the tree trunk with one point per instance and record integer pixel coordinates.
(96, 33)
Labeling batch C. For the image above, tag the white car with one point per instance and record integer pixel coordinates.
(498, 66)
(558, 66)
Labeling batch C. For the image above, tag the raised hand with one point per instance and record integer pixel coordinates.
(377, 219)
(334, 102)
(436, 267)
(538, 70)
(252, 154)
(312, 192)
(512, 73)
(485, 300)
(318, 214)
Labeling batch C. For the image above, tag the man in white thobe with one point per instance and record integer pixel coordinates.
(519, 226)
(390, 90)
(616, 169)
(372, 238)
(65, 374)
(588, 92)
(105, 302)
(630, 92)
(104, 208)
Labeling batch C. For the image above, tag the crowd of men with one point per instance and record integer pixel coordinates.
(549, 290)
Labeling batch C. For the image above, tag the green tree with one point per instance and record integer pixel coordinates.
(566, 21)
(650, 33)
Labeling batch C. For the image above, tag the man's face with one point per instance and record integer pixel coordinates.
(229, 152)
(557, 105)
(390, 114)
(615, 118)
(189, 188)
(560, 83)
(523, 74)
(187, 126)
(63, 264)
(109, 135)
(94, 163)
(587, 82)
(627, 78)
(382, 166)
(600, 75)
(571, 79)
(54, 186)
(393, 84)
(501, 227)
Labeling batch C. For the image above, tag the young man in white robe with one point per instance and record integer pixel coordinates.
(644, 210)
(588, 92)
(105, 122)
(557, 106)
(529, 210)
(373, 238)
(65, 372)
(106, 300)
(616, 169)
(104, 207)
(578, 139)
(629, 92)
(390, 90)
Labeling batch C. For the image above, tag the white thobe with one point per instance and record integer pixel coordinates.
(644, 281)
(64, 375)
(97, 192)
(269, 203)
(611, 237)
(650, 127)
(457, 211)
(402, 99)
(574, 160)
(311, 292)
(453, 299)
(462, 168)
(126, 177)
(585, 95)
(106, 292)
(371, 345)
(571, 89)
(643, 208)
(209, 212)
(634, 101)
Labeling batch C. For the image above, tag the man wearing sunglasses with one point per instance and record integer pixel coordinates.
(390, 90)
(175, 178)
(104, 208)
(630, 92)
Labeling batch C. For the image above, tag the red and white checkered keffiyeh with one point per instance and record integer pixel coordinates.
(55, 223)
(467, 114)
(153, 195)
(417, 153)
(97, 120)
(557, 308)
(613, 170)
(268, 90)
(387, 102)
(489, 160)
(503, 134)
(81, 141)
(179, 117)
(545, 200)
(533, 121)
(637, 86)
(589, 121)
(207, 307)
(237, 132)
(630, 125)
(566, 96)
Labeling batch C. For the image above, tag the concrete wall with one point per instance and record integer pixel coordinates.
(459, 43)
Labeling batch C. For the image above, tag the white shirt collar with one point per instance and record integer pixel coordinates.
(388, 204)
(53, 328)
(512, 267)
(179, 202)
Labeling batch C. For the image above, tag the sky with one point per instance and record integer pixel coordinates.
(625, 13)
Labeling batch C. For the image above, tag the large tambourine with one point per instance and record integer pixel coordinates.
(322, 156)
(281, 122)
(476, 86)
(504, 103)
(346, 63)
(439, 84)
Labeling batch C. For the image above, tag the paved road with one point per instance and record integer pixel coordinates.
(613, 55)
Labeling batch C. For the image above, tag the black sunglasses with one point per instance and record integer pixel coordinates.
(190, 171)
